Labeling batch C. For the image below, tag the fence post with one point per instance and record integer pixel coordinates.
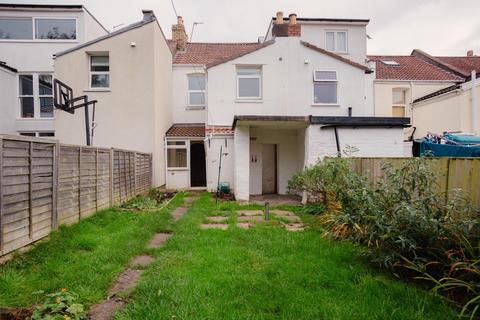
(447, 182)
(1, 197)
(135, 172)
(96, 179)
(30, 192)
(56, 157)
(80, 183)
(111, 178)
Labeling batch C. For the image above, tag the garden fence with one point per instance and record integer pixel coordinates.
(44, 184)
(453, 173)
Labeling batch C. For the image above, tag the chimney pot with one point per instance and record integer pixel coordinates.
(147, 14)
(180, 20)
(279, 19)
(292, 19)
(470, 53)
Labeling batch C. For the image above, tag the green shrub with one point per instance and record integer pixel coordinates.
(313, 209)
(403, 220)
(154, 200)
(59, 305)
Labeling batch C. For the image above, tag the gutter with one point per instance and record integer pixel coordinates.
(474, 103)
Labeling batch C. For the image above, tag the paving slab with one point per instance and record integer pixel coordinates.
(106, 309)
(217, 219)
(291, 218)
(214, 226)
(293, 227)
(189, 200)
(179, 212)
(158, 240)
(142, 261)
(251, 218)
(128, 279)
(243, 225)
(249, 213)
(282, 213)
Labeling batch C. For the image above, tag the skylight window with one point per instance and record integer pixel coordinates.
(390, 62)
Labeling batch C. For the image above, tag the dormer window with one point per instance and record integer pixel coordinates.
(336, 41)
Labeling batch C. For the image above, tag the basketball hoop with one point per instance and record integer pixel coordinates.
(63, 99)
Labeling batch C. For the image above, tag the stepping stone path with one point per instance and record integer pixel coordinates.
(249, 213)
(142, 261)
(251, 218)
(158, 240)
(129, 278)
(295, 227)
(248, 217)
(217, 219)
(214, 226)
(243, 225)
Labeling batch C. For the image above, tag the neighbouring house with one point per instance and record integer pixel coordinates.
(129, 72)
(264, 109)
(435, 92)
(29, 36)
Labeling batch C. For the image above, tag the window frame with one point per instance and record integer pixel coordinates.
(33, 22)
(189, 91)
(35, 95)
(335, 41)
(36, 134)
(243, 76)
(400, 105)
(39, 96)
(185, 146)
(91, 73)
(316, 80)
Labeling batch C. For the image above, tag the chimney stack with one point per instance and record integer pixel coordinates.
(470, 53)
(279, 19)
(179, 36)
(294, 29)
(147, 15)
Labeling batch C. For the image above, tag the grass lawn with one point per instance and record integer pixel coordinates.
(262, 273)
(269, 273)
(85, 257)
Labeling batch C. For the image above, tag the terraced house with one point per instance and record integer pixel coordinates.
(263, 110)
(29, 36)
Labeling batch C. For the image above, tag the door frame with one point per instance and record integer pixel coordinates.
(275, 163)
(191, 142)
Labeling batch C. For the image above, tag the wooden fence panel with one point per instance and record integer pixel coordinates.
(44, 184)
(452, 173)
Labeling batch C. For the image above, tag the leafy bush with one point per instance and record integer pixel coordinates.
(59, 305)
(406, 224)
(313, 209)
(153, 200)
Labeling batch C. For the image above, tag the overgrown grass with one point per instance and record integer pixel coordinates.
(269, 273)
(85, 258)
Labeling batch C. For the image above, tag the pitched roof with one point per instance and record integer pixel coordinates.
(411, 68)
(438, 93)
(335, 56)
(5, 66)
(141, 23)
(464, 64)
(211, 54)
(186, 130)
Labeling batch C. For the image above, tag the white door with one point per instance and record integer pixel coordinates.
(269, 168)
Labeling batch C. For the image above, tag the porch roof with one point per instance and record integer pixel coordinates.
(186, 130)
(259, 119)
(361, 121)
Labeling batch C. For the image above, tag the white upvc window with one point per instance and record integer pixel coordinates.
(99, 72)
(177, 154)
(196, 90)
(399, 102)
(336, 41)
(35, 94)
(41, 134)
(325, 87)
(249, 82)
(38, 29)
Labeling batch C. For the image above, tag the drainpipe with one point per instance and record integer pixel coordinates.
(474, 103)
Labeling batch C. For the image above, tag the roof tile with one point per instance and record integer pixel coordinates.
(186, 130)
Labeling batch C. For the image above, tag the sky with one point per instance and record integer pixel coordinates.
(439, 27)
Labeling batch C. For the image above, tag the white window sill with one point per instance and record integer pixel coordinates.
(97, 90)
(193, 107)
(35, 119)
(248, 101)
(178, 169)
(325, 105)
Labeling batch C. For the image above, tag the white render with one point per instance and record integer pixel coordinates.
(36, 56)
(182, 112)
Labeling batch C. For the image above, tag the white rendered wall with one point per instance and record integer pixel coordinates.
(182, 113)
(287, 84)
(241, 163)
(371, 142)
(8, 84)
(213, 156)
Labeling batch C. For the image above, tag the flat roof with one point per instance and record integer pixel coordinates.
(41, 6)
(361, 121)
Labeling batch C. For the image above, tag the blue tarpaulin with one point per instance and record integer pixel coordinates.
(448, 150)
(461, 139)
